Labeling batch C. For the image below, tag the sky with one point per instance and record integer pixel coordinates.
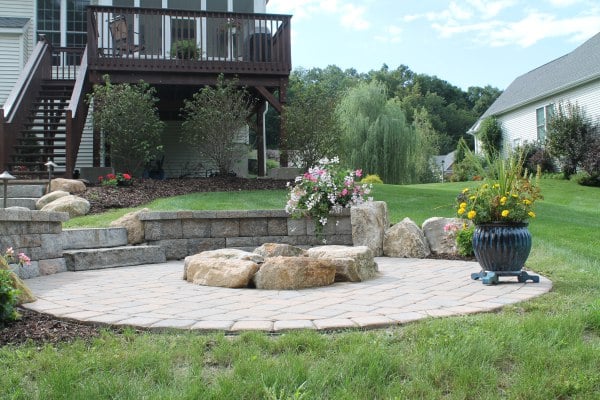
(465, 42)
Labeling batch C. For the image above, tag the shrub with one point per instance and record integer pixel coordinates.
(118, 179)
(588, 180)
(9, 297)
(490, 135)
(464, 240)
(272, 164)
(372, 179)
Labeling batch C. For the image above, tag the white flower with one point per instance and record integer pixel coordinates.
(323, 221)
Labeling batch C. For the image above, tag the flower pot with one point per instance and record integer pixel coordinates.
(501, 250)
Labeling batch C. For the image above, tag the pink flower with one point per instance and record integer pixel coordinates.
(23, 259)
(126, 176)
(358, 173)
(344, 192)
(100, 178)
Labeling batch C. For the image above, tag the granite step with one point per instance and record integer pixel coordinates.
(93, 238)
(114, 257)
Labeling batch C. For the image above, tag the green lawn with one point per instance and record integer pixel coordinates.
(546, 348)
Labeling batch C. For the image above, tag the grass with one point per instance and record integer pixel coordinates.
(545, 348)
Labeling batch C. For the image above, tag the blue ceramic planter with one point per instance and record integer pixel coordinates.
(501, 250)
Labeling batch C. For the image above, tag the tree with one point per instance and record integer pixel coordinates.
(375, 134)
(481, 98)
(213, 120)
(311, 126)
(428, 147)
(128, 116)
(490, 135)
(570, 133)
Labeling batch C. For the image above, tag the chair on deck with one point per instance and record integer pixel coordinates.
(120, 34)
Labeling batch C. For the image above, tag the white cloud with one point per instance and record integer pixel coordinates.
(350, 15)
(564, 3)
(392, 34)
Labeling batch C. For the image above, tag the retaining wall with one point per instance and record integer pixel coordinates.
(38, 234)
(184, 233)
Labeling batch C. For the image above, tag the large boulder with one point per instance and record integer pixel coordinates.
(72, 186)
(221, 272)
(352, 264)
(49, 198)
(291, 273)
(441, 234)
(224, 254)
(73, 205)
(369, 222)
(279, 250)
(135, 227)
(405, 239)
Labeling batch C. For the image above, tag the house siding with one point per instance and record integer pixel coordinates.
(520, 126)
(85, 156)
(10, 63)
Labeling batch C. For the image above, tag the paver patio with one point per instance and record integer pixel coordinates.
(156, 297)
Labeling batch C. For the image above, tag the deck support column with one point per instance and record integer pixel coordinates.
(261, 138)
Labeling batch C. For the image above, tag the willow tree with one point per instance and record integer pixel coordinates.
(375, 134)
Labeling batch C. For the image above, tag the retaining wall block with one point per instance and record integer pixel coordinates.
(254, 227)
(225, 228)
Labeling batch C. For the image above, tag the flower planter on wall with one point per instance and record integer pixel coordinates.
(501, 250)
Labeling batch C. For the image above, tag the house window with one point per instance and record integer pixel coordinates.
(542, 116)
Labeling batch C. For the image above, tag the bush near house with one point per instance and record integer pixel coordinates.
(128, 116)
(213, 119)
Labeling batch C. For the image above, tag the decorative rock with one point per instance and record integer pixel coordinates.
(290, 273)
(441, 241)
(226, 254)
(67, 185)
(73, 205)
(353, 264)
(279, 250)
(221, 272)
(135, 227)
(49, 198)
(405, 239)
(369, 222)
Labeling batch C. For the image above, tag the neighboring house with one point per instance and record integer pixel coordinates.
(44, 80)
(445, 163)
(525, 107)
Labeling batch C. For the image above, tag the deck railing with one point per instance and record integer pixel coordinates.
(188, 41)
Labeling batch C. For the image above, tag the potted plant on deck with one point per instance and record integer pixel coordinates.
(501, 207)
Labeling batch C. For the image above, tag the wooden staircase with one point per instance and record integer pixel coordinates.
(44, 136)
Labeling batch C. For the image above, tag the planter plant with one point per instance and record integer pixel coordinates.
(185, 50)
(501, 208)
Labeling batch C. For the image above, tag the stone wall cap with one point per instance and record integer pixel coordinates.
(221, 214)
(33, 215)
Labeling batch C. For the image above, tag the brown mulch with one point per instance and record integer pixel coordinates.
(42, 328)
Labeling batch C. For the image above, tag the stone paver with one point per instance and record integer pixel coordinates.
(155, 297)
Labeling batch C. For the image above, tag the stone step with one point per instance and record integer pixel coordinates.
(89, 259)
(19, 202)
(19, 191)
(93, 238)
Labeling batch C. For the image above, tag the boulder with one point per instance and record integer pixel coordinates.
(221, 272)
(279, 250)
(441, 239)
(49, 198)
(225, 254)
(352, 264)
(135, 227)
(405, 239)
(72, 186)
(369, 222)
(291, 273)
(73, 205)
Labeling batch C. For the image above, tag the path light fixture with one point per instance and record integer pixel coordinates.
(5, 177)
(443, 171)
(50, 165)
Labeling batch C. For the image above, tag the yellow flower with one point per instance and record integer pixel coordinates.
(496, 186)
(472, 198)
(503, 200)
(516, 196)
(505, 213)
(485, 186)
(461, 211)
(527, 202)
(531, 214)
(465, 190)
(462, 205)
(471, 214)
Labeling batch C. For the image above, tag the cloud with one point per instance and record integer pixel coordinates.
(350, 15)
(392, 34)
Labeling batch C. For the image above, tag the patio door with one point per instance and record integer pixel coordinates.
(151, 29)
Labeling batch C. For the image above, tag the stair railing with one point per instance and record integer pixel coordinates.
(77, 114)
(16, 107)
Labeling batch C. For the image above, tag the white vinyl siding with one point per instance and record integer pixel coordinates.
(520, 126)
(11, 63)
(21, 9)
(85, 156)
